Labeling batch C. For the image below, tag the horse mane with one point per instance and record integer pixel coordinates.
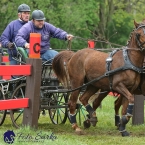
(130, 37)
(59, 66)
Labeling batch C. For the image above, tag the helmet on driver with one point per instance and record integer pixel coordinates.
(38, 15)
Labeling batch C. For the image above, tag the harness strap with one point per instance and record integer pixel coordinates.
(108, 66)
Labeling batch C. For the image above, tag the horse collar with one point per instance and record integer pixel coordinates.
(127, 66)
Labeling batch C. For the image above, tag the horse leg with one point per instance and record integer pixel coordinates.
(72, 111)
(124, 105)
(117, 105)
(98, 100)
(125, 118)
(95, 104)
(126, 113)
(90, 90)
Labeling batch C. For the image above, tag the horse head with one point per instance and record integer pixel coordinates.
(140, 34)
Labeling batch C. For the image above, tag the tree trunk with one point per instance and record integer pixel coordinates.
(106, 9)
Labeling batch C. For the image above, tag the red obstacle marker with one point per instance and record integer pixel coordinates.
(15, 70)
(91, 44)
(35, 39)
(14, 104)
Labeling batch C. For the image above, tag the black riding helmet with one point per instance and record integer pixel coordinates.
(38, 15)
(23, 8)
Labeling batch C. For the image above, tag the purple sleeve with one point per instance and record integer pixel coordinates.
(57, 32)
(6, 36)
(23, 36)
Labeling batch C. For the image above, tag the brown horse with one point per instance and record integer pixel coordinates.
(122, 75)
(120, 101)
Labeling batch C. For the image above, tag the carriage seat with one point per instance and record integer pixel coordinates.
(22, 53)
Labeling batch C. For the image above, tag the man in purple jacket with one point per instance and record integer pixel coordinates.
(47, 30)
(9, 34)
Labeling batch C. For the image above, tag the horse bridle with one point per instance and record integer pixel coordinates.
(137, 38)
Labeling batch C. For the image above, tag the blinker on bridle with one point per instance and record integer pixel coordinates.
(137, 38)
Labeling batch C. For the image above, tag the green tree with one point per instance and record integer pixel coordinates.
(102, 20)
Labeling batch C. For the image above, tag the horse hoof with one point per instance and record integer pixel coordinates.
(125, 133)
(79, 131)
(93, 121)
(87, 124)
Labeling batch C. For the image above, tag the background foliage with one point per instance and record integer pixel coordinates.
(110, 20)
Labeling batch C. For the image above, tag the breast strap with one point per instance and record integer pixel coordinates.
(127, 64)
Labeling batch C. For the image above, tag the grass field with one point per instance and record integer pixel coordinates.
(105, 133)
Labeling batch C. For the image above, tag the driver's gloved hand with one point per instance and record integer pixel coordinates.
(10, 45)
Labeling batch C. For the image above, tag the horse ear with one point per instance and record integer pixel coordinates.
(136, 24)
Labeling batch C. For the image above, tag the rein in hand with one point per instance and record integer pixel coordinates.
(100, 49)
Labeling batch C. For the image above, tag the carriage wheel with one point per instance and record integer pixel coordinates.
(58, 114)
(2, 112)
(17, 114)
(81, 114)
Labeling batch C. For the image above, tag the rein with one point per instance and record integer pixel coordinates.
(86, 39)
(69, 45)
(107, 42)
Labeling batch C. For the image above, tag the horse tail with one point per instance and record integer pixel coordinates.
(59, 66)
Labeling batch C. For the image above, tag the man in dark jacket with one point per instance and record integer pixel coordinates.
(47, 30)
(9, 34)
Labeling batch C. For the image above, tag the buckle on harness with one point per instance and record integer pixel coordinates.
(109, 59)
